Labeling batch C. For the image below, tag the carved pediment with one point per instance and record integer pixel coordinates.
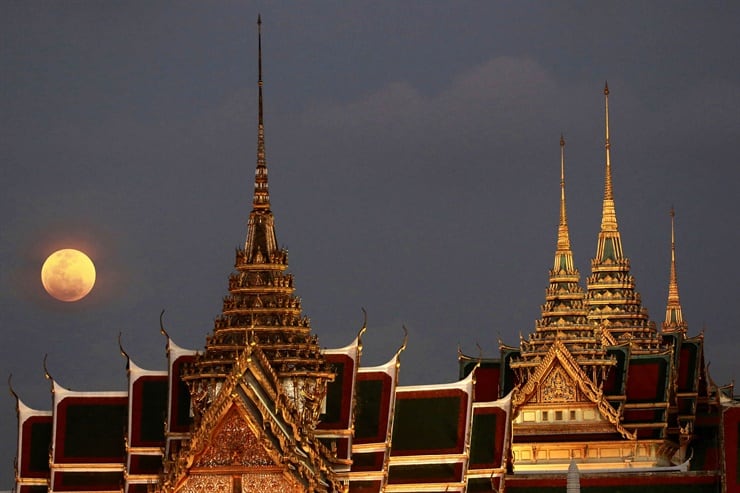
(233, 443)
(558, 387)
(559, 379)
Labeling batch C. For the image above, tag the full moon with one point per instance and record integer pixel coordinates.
(68, 275)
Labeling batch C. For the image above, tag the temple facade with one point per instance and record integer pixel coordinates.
(596, 397)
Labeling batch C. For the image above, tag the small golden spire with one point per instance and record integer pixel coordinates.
(563, 235)
(609, 215)
(673, 313)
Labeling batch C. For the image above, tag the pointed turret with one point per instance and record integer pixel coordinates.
(610, 242)
(262, 309)
(612, 300)
(563, 254)
(564, 297)
(673, 315)
(564, 314)
(261, 199)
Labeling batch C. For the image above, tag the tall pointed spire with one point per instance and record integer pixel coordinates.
(261, 243)
(610, 242)
(564, 296)
(262, 309)
(609, 215)
(261, 199)
(563, 235)
(673, 315)
(612, 300)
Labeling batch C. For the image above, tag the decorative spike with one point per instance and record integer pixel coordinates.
(618, 310)
(673, 313)
(261, 199)
(609, 215)
(563, 236)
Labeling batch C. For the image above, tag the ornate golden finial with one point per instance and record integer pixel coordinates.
(563, 236)
(609, 216)
(261, 199)
(673, 313)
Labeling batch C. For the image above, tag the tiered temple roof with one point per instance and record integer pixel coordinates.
(262, 307)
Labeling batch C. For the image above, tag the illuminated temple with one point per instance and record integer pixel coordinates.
(596, 397)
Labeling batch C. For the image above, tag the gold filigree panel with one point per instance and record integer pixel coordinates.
(558, 387)
(234, 444)
(270, 483)
(206, 483)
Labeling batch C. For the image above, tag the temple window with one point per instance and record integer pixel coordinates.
(545, 416)
(558, 415)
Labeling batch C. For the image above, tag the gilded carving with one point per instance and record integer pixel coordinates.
(558, 387)
(206, 483)
(272, 482)
(234, 444)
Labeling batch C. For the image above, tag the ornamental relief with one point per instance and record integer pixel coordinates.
(234, 444)
(558, 387)
(203, 483)
(269, 482)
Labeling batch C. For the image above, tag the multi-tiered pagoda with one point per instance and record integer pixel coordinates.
(595, 397)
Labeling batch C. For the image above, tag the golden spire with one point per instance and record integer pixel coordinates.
(609, 215)
(673, 315)
(261, 199)
(563, 236)
(612, 300)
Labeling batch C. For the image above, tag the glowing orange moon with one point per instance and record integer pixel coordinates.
(68, 275)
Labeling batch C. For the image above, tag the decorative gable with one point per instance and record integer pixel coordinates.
(233, 443)
(558, 380)
(558, 387)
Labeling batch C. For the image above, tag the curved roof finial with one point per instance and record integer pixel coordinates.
(261, 198)
(162, 330)
(47, 375)
(364, 323)
(10, 387)
(405, 341)
(123, 351)
(362, 330)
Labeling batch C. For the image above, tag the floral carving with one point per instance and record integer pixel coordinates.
(204, 483)
(272, 482)
(234, 443)
(558, 387)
